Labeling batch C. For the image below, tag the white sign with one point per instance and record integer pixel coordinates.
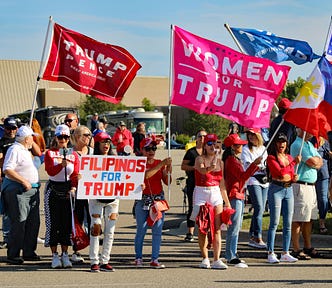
(111, 177)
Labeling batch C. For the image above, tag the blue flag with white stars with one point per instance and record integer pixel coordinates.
(264, 44)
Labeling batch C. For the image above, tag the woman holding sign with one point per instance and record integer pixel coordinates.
(62, 166)
(107, 208)
(156, 174)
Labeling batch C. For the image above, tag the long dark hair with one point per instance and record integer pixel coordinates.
(96, 149)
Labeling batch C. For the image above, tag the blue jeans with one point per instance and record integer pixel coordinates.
(322, 188)
(258, 196)
(233, 230)
(280, 200)
(141, 228)
(5, 222)
(22, 208)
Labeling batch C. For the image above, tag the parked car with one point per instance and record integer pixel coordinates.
(174, 144)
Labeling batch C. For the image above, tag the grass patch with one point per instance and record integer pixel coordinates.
(266, 222)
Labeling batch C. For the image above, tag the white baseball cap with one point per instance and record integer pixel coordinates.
(24, 131)
(62, 130)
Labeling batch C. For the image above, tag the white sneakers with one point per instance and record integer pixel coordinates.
(65, 260)
(77, 258)
(238, 263)
(205, 264)
(272, 258)
(219, 265)
(59, 262)
(288, 258)
(56, 262)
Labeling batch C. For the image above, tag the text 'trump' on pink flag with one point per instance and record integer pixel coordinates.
(210, 78)
(91, 67)
(311, 110)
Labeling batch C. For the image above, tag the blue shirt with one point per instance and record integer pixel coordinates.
(306, 173)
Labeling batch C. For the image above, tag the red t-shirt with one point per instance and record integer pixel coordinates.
(153, 185)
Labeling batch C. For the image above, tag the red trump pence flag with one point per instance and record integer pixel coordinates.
(311, 110)
(91, 67)
(210, 78)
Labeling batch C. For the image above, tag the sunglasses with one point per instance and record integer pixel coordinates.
(69, 120)
(86, 134)
(11, 128)
(61, 137)
(201, 136)
(106, 141)
(210, 143)
(148, 149)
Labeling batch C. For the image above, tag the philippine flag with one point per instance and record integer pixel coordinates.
(312, 108)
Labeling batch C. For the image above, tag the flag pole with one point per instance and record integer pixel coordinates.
(41, 68)
(328, 36)
(169, 108)
(228, 28)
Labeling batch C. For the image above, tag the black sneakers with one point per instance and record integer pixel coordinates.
(189, 237)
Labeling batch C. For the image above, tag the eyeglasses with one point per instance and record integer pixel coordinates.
(69, 120)
(86, 134)
(11, 128)
(61, 137)
(148, 149)
(210, 143)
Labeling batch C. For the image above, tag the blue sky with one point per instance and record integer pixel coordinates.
(143, 26)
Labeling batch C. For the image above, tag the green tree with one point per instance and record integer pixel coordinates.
(292, 89)
(92, 104)
(211, 123)
(147, 105)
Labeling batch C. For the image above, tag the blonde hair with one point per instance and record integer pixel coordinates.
(78, 132)
(259, 138)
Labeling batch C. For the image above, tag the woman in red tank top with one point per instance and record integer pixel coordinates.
(209, 195)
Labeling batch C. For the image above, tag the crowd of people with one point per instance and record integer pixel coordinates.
(276, 178)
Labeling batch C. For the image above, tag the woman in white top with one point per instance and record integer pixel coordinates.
(257, 185)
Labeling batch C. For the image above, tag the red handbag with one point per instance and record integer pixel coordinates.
(79, 238)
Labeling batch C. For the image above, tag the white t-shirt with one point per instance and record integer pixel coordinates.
(19, 159)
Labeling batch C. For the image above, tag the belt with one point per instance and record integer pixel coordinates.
(305, 183)
(282, 184)
(35, 185)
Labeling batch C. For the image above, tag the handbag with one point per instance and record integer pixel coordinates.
(155, 211)
(262, 178)
(78, 236)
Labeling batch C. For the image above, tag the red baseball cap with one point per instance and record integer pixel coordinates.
(102, 136)
(210, 137)
(254, 130)
(234, 139)
(284, 103)
(147, 142)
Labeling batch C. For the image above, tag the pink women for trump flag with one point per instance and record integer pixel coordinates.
(91, 67)
(210, 78)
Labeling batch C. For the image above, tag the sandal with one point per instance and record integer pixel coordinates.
(323, 230)
(312, 252)
(300, 255)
